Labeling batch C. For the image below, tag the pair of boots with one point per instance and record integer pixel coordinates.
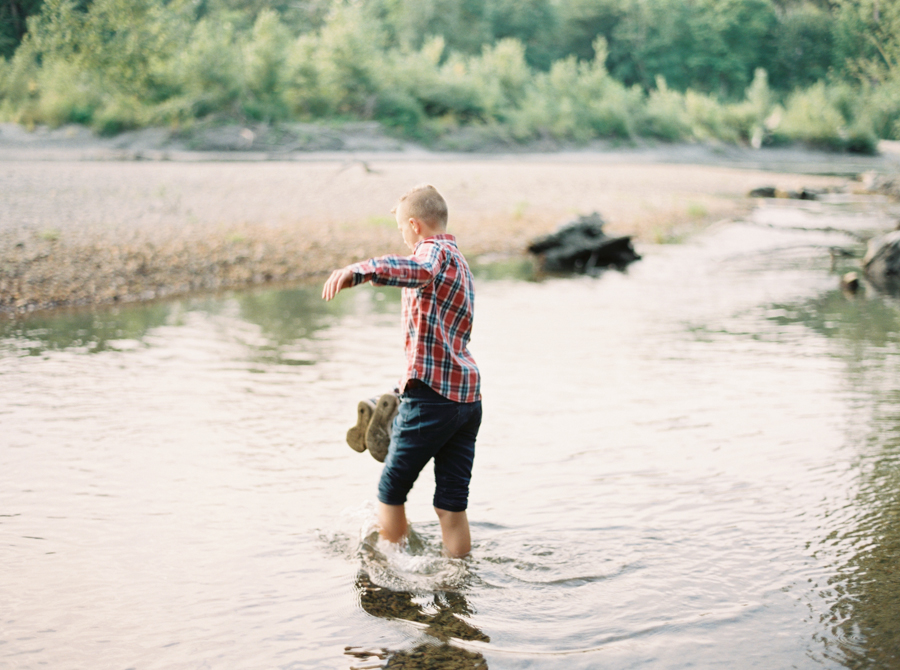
(373, 425)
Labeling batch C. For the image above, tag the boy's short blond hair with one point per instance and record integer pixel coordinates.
(423, 202)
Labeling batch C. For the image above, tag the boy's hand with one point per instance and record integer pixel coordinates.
(339, 279)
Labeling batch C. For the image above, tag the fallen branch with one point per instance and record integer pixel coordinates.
(825, 229)
(834, 251)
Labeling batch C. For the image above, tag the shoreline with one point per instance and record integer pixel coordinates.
(367, 142)
(78, 230)
(312, 142)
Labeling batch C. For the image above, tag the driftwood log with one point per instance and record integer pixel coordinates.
(581, 246)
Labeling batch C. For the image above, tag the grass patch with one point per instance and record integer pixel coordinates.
(382, 221)
(519, 210)
(697, 210)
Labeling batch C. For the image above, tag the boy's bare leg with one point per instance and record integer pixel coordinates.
(392, 522)
(454, 528)
(455, 531)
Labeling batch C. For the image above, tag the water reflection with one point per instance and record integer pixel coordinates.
(443, 657)
(414, 583)
(289, 315)
(87, 331)
(499, 267)
(862, 547)
(441, 614)
(284, 318)
(865, 616)
(859, 322)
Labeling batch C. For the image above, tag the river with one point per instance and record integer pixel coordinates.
(691, 464)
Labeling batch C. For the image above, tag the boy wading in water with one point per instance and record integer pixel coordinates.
(439, 409)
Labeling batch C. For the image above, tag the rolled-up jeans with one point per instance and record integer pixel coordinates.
(429, 426)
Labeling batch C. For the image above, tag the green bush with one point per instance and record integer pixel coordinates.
(709, 119)
(502, 76)
(399, 109)
(576, 101)
(205, 75)
(117, 115)
(809, 117)
(402, 87)
(265, 55)
(828, 117)
(18, 86)
(344, 62)
(67, 94)
(665, 115)
(754, 118)
(442, 89)
(303, 94)
(882, 103)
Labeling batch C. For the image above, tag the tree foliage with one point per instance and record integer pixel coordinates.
(869, 38)
(13, 23)
(571, 70)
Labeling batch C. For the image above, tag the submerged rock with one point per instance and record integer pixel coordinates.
(764, 192)
(850, 283)
(773, 192)
(582, 246)
(884, 184)
(882, 261)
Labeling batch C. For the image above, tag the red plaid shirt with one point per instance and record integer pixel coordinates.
(438, 306)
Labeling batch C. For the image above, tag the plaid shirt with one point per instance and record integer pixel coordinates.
(438, 306)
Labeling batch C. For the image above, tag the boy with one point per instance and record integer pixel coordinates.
(440, 403)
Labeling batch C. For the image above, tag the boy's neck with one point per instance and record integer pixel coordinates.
(424, 231)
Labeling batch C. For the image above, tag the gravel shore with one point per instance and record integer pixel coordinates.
(79, 226)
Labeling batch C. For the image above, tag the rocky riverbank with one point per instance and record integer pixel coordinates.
(83, 223)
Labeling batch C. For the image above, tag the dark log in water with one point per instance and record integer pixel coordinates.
(582, 246)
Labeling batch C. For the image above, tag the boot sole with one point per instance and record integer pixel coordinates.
(356, 436)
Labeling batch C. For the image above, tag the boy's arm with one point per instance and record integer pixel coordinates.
(339, 280)
(408, 272)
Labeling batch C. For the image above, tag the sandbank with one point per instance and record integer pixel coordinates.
(87, 225)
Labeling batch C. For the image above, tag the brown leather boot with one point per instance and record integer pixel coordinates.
(378, 434)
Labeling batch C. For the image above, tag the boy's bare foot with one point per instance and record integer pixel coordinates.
(378, 435)
(356, 436)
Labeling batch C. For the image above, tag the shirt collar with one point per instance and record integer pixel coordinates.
(441, 236)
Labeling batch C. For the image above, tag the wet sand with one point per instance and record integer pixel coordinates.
(80, 229)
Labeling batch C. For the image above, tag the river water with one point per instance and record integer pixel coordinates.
(695, 463)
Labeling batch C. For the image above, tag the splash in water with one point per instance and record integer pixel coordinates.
(416, 565)
(412, 582)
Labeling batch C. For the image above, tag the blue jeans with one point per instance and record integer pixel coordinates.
(427, 426)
